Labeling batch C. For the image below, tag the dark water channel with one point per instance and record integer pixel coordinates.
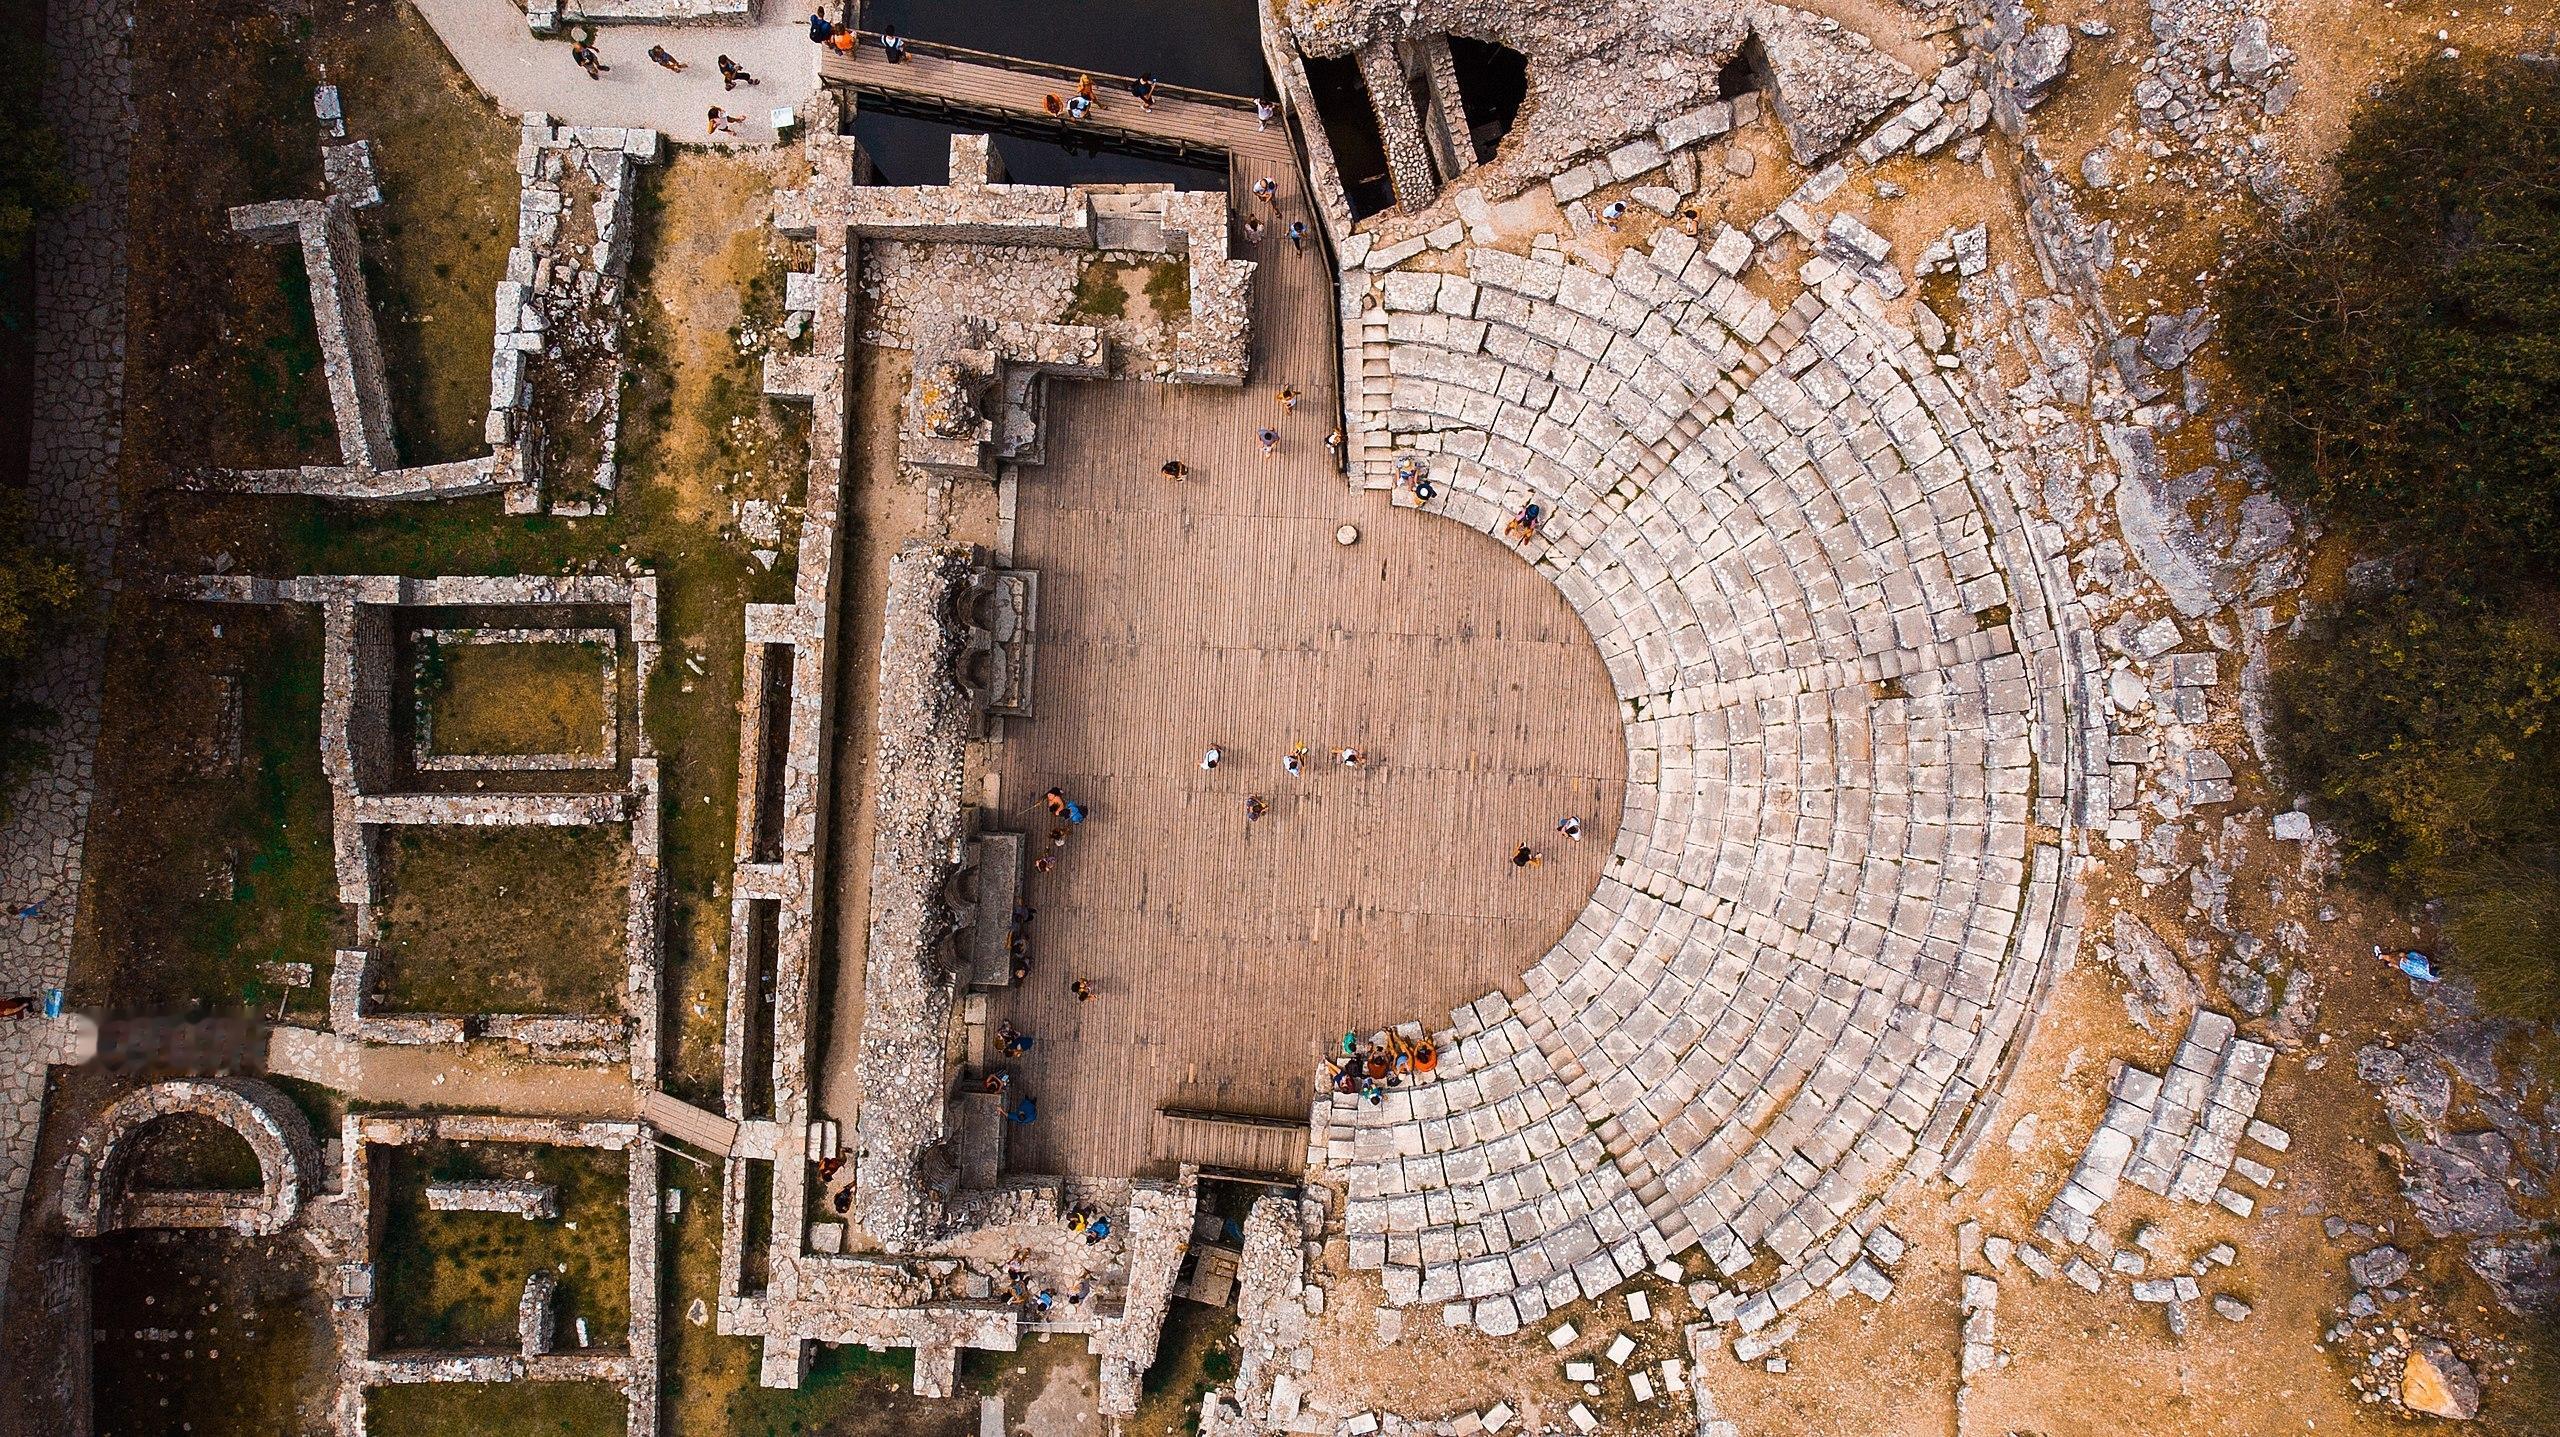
(1210, 44)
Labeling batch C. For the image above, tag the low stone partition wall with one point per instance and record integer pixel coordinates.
(1159, 1227)
(350, 347)
(534, 1317)
(545, 17)
(522, 1199)
(361, 617)
(362, 1364)
(95, 1198)
(350, 350)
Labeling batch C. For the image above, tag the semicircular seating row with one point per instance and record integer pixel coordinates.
(1799, 968)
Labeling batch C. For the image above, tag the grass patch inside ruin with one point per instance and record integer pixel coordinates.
(437, 246)
(190, 1151)
(503, 920)
(1197, 1354)
(495, 1409)
(517, 698)
(452, 1279)
(1101, 292)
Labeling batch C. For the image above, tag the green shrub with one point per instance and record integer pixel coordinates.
(2400, 345)
(2402, 340)
(2422, 722)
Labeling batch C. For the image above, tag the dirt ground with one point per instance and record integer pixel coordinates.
(205, 1334)
(504, 920)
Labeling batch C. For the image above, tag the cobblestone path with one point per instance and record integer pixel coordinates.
(78, 444)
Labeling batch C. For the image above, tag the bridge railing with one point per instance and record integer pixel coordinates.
(1102, 80)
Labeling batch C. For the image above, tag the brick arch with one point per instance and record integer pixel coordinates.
(95, 1196)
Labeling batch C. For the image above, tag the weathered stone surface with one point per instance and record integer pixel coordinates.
(2380, 1267)
(2438, 1383)
(2040, 62)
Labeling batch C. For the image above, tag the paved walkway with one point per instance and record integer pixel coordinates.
(462, 1079)
(523, 71)
(77, 450)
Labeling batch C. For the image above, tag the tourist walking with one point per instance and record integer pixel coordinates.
(1175, 469)
(1612, 212)
(588, 60)
(1025, 1113)
(1252, 230)
(1082, 989)
(1012, 1040)
(1523, 524)
(1144, 87)
(1288, 399)
(1526, 857)
(1078, 108)
(666, 61)
(819, 30)
(1350, 757)
(733, 74)
(722, 122)
(1298, 236)
(893, 47)
(1056, 802)
(843, 40)
(1267, 190)
(1084, 87)
(1262, 113)
(1333, 444)
(1270, 439)
(1075, 812)
(1255, 807)
(1055, 106)
(1571, 827)
(1209, 760)
(1295, 761)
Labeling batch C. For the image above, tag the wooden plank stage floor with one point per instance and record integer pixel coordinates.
(1221, 610)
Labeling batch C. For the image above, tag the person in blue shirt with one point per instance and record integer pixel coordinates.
(1025, 1112)
(2410, 961)
(819, 30)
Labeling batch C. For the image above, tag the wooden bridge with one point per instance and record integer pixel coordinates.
(952, 84)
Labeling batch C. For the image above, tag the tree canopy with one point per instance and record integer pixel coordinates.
(2401, 346)
(2402, 340)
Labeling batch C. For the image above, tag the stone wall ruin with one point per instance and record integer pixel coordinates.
(919, 1265)
(556, 367)
(96, 1198)
(355, 1312)
(324, 230)
(362, 617)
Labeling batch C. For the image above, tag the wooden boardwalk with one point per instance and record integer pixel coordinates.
(1222, 610)
(962, 82)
